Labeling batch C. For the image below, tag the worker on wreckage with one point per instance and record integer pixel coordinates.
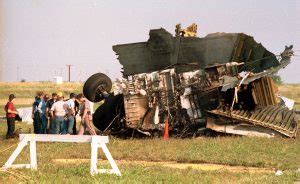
(219, 82)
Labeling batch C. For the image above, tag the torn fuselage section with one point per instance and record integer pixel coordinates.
(220, 82)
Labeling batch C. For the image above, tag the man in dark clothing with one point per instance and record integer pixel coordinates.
(48, 107)
(37, 113)
(44, 116)
(10, 116)
(76, 112)
(51, 101)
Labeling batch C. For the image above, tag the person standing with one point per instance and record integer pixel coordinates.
(43, 114)
(37, 112)
(86, 116)
(58, 112)
(70, 114)
(76, 112)
(48, 107)
(10, 116)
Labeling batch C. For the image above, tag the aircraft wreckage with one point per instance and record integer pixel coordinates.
(220, 82)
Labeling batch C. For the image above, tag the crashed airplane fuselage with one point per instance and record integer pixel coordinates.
(220, 82)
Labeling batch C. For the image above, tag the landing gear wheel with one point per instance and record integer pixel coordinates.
(95, 85)
(104, 116)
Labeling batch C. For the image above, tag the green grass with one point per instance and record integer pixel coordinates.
(29, 89)
(279, 153)
(275, 153)
(139, 174)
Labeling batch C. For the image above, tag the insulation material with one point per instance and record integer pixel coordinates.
(289, 103)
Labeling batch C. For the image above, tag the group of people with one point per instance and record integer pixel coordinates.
(54, 115)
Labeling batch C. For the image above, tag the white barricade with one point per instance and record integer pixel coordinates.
(96, 142)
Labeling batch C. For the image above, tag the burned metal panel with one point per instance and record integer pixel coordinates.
(139, 56)
(256, 57)
(206, 51)
(218, 47)
(146, 56)
(162, 50)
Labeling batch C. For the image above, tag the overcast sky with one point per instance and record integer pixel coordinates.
(42, 36)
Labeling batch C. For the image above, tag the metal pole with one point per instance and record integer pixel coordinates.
(69, 71)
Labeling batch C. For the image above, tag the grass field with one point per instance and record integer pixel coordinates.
(273, 154)
(26, 92)
(263, 153)
(28, 89)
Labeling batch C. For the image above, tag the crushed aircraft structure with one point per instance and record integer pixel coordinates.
(220, 82)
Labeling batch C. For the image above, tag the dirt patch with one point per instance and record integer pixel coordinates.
(175, 165)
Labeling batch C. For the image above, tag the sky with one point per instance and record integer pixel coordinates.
(42, 36)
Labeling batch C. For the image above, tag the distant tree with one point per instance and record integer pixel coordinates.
(23, 80)
(277, 79)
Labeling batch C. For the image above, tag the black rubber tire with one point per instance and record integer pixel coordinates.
(105, 113)
(91, 85)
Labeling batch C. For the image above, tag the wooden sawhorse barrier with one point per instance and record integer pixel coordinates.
(96, 142)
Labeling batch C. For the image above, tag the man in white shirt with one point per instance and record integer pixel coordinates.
(58, 112)
(70, 112)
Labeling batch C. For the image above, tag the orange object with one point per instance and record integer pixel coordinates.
(166, 130)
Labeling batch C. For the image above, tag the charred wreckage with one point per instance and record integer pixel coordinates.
(219, 82)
